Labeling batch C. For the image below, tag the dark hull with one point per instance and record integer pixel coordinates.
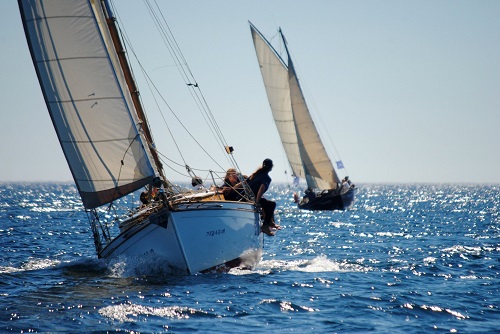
(330, 200)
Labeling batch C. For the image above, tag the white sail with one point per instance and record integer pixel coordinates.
(275, 75)
(318, 168)
(84, 90)
(301, 141)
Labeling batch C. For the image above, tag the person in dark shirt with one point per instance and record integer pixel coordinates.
(310, 194)
(259, 182)
(230, 190)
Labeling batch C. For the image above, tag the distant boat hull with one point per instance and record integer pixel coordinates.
(194, 237)
(330, 200)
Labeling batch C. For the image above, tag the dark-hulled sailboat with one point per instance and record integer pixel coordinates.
(301, 141)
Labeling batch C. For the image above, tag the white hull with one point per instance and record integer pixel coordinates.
(194, 237)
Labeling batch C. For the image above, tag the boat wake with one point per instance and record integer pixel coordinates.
(32, 264)
(141, 266)
(131, 312)
(316, 265)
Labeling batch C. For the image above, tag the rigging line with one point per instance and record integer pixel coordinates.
(336, 155)
(183, 166)
(176, 54)
(173, 41)
(321, 129)
(178, 119)
(169, 40)
(125, 38)
(318, 115)
(316, 112)
(194, 169)
(122, 163)
(148, 82)
(195, 90)
(164, 121)
(176, 171)
(184, 66)
(285, 161)
(202, 106)
(104, 226)
(171, 47)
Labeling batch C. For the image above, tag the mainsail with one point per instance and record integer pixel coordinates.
(85, 91)
(301, 141)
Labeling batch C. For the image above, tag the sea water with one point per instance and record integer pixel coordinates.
(404, 259)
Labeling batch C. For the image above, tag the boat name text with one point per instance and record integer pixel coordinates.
(216, 232)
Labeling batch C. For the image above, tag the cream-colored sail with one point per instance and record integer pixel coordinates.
(87, 98)
(303, 147)
(275, 76)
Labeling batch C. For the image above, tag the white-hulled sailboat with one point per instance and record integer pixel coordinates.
(301, 141)
(95, 108)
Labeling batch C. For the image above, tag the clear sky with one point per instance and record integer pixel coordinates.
(409, 91)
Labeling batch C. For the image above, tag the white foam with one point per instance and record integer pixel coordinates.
(318, 264)
(130, 312)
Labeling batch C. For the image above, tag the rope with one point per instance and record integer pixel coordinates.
(188, 78)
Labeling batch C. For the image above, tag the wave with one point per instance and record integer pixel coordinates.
(144, 266)
(130, 312)
(30, 265)
(318, 264)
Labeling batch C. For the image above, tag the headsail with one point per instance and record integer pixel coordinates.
(303, 147)
(85, 92)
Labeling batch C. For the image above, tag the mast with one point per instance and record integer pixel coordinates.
(285, 44)
(132, 87)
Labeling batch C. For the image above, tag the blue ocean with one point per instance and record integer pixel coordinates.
(404, 259)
